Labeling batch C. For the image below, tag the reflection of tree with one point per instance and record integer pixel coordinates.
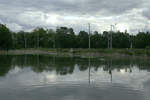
(130, 68)
(127, 64)
(5, 64)
(108, 67)
(83, 66)
(89, 62)
(66, 65)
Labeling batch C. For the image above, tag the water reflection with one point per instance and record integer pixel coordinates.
(40, 74)
(66, 65)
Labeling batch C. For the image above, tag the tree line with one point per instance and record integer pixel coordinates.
(64, 37)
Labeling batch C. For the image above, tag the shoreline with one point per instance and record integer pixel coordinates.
(81, 52)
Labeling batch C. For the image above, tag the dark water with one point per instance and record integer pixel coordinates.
(37, 77)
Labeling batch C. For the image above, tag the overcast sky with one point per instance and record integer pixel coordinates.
(133, 15)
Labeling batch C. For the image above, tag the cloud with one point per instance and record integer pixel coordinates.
(27, 14)
(14, 26)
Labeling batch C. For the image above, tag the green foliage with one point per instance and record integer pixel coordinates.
(83, 39)
(98, 40)
(148, 47)
(148, 50)
(121, 40)
(141, 40)
(5, 38)
(65, 37)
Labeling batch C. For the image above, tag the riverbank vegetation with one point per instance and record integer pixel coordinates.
(64, 37)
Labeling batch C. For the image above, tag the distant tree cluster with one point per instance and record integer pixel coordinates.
(65, 37)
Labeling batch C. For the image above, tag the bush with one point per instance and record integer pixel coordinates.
(148, 47)
(148, 50)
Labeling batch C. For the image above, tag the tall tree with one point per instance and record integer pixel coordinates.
(5, 37)
(83, 39)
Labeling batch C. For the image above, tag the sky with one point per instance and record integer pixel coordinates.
(131, 15)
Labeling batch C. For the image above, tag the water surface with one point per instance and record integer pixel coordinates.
(41, 77)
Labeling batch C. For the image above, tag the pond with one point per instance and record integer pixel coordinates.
(43, 77)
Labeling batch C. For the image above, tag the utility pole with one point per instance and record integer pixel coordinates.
(110, 70)
(25, 41)
(89, 36)
(108, 40)
(131, 45)
(54, 41)
(37, 39)
(54, 45)
(14, 40)
(111, 30)
(89, 70)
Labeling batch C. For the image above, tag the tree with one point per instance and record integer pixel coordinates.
(50, 38)
(21, 39)
(83, 39)
(98, 40)
(5, 38)
(40, 37)
(142, 39)
(65, 38)
(121, 40)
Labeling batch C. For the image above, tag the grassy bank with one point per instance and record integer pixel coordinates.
(83, 52)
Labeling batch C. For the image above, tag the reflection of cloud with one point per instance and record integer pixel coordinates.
(122, 71)
(15, 70)
(51, 77)
(26, 77)
(134, 80)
